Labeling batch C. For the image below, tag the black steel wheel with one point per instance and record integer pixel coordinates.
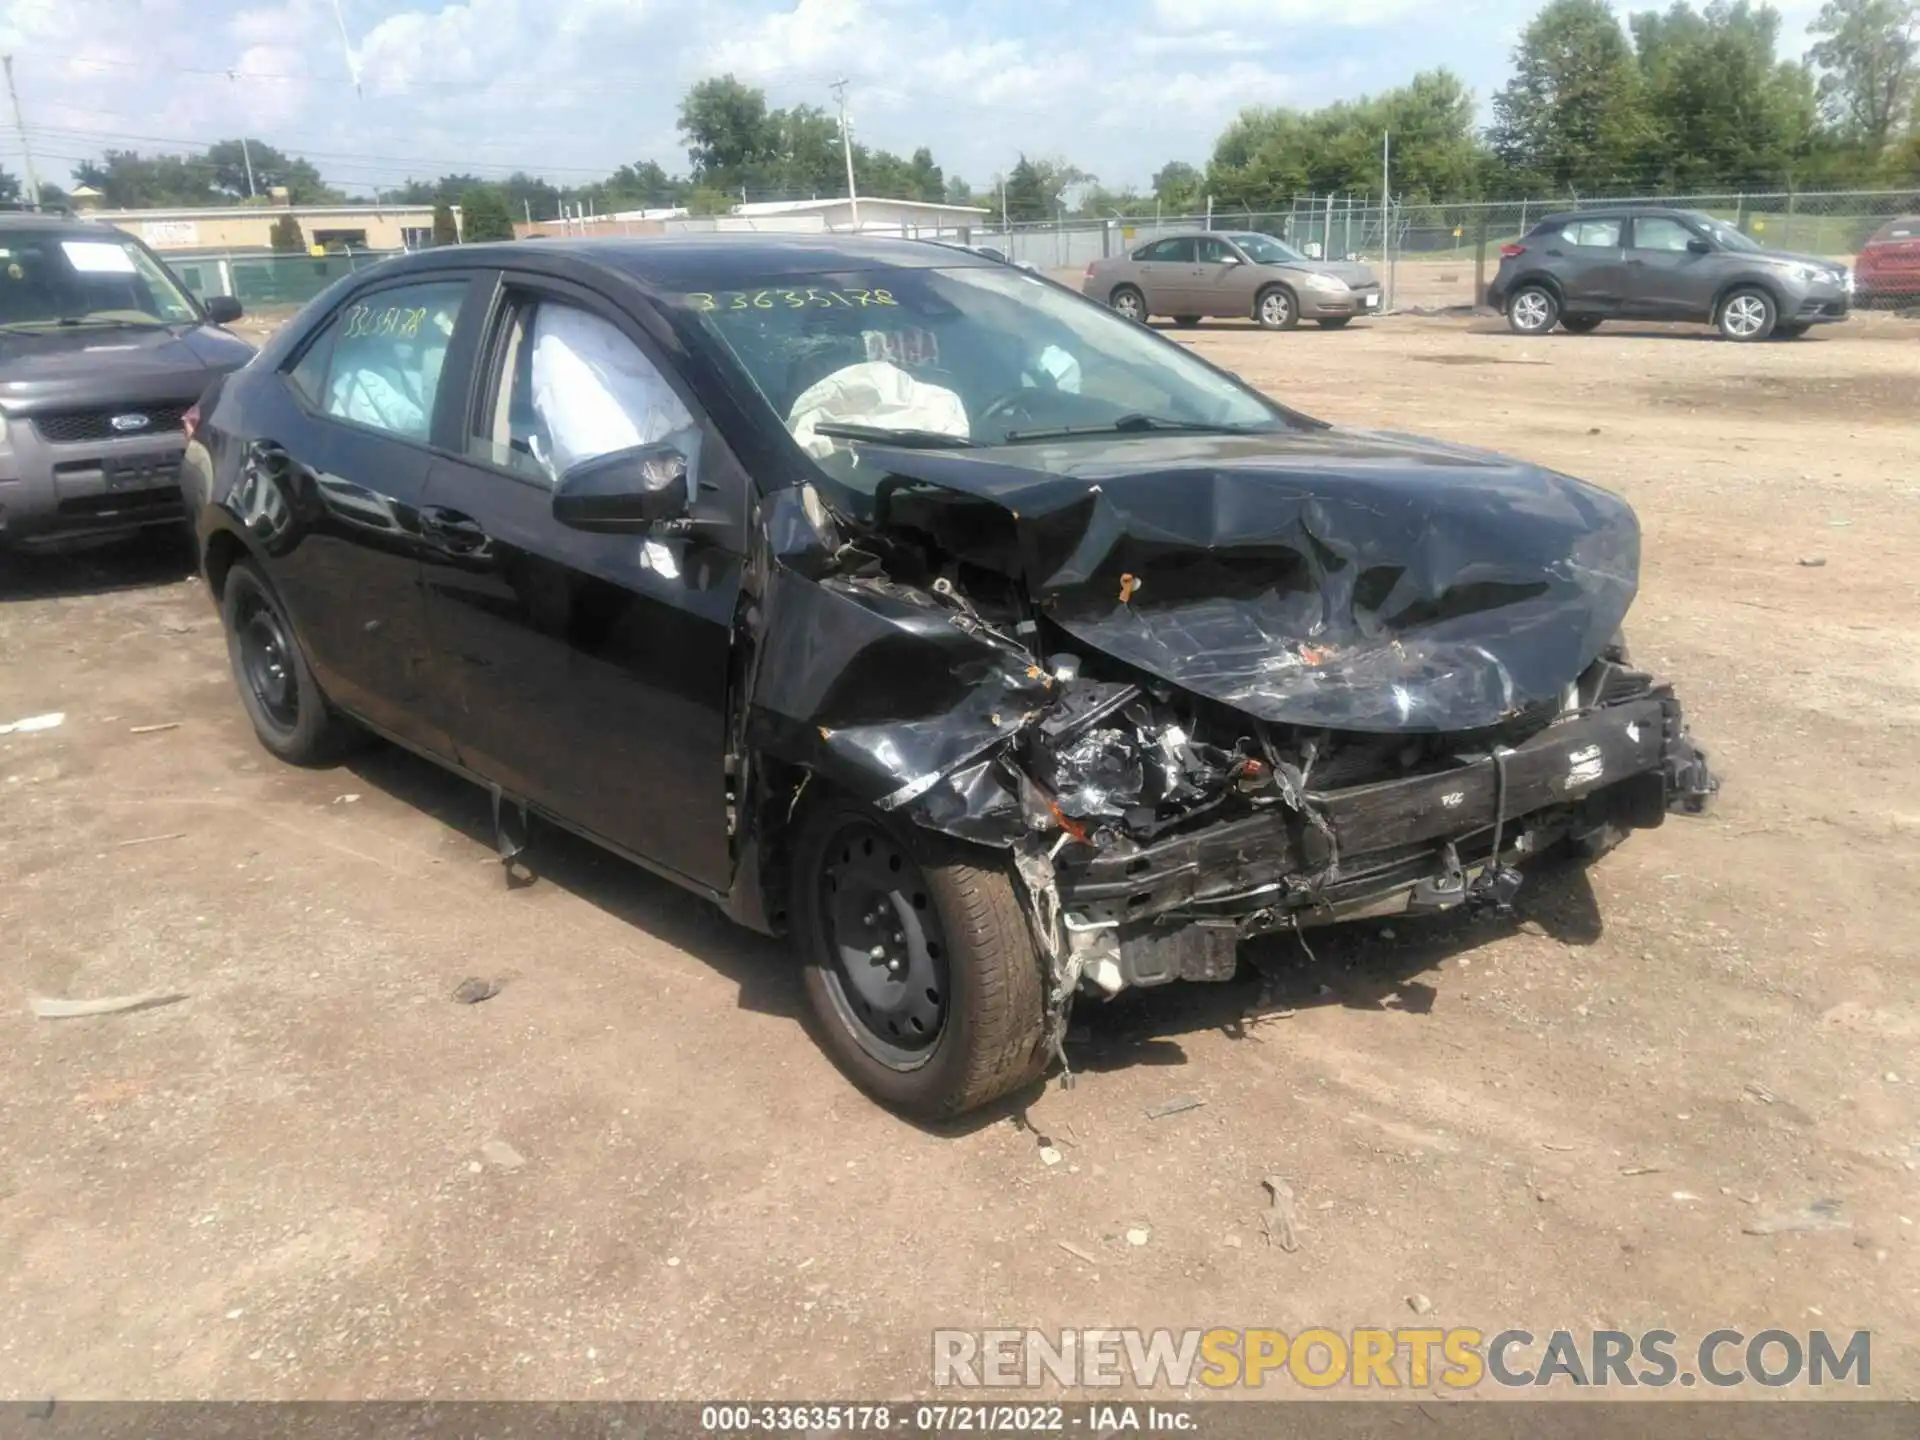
(921, 972)
(887, 952)
(289, 714)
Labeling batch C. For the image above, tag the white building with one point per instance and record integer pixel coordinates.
(878, 216)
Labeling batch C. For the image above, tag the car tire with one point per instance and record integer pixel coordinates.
(1277, 308)
(1790, 332)
(1579, 324)
(1186, 322)
(1334, 322)
(282, 699)
(1747, 315)
(884, 921)
(1532, 310)
(1128, 303)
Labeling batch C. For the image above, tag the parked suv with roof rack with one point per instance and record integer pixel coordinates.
(102, 356)
(1580, 269)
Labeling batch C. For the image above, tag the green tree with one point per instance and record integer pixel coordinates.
(132, 181)
(483, 215)
(1569, 119)
(1266, 156)
(958, 192)
(446, 231)
(1719, 108)
(1179, 188)
(803, 159)
(1024, 193)
(271, 167)
(1866, 57)
(730, 136)
(286, 237)
(9, 186)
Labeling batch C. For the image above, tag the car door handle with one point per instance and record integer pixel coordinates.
(452, 528)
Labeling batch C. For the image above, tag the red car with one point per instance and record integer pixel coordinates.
(1889, 263)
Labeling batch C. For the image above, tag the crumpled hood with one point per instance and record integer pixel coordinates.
(1324, 578)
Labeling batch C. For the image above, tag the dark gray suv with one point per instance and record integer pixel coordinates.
(1649, 264)
(102, 355)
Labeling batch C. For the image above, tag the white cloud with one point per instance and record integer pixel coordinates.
(1253, 17)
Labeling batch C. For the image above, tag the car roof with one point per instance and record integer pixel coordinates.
(35, 220)
(1618, 212)
(711, 261)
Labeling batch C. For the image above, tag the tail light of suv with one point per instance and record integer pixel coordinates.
(1511, 249)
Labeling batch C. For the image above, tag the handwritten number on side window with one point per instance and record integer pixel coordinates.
(813, 297)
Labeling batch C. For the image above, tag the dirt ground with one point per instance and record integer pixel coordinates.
(284, 1186)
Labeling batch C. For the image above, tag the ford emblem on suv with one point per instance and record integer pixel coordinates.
(130, 422)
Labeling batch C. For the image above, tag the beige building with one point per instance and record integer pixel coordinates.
(237, 229)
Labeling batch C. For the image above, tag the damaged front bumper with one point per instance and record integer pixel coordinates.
(1175, 908)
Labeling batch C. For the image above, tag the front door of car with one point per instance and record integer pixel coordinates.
(1666, 279)
(1222, 281)
(1165, 271)
(590, 670)
(1586, 257)
(330, 488)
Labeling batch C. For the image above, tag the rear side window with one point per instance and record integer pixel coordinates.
(1216, 252)
(1592, 234)
(1176, 250)
(377, 362)
(1657, 232)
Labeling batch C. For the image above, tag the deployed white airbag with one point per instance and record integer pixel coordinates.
(875, 393)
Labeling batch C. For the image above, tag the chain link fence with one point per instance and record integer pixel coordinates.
(258, 281)
(1439, 255)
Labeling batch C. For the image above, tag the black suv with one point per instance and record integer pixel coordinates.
(1646, 264)
(102, 355)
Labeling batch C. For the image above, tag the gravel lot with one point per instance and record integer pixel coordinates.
(285, 1185)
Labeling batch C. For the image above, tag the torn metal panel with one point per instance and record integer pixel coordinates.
(1361, 582)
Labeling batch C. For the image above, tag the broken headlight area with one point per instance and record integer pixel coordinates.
(1175, 828)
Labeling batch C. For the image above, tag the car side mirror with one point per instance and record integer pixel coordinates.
(1699, 247)
(1230, 259)
(222, 309)
(624, 492)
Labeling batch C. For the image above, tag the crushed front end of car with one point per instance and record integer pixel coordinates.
(1206, 687)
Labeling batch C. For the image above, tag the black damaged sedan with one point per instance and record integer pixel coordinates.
(999, 651)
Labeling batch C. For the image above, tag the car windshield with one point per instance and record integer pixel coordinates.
(1265, 250)
(54, 277)
(1725, 236)
(975, 355)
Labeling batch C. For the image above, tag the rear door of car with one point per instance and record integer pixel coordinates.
(1587, 257)
(330, 482)
(1165, 271)
(1223, 283)
(1666, 280)
(590, 670)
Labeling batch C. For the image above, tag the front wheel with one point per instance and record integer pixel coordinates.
(1129, 304)
(1186, 322)
(1532, 310)
(1579, 324)
(1747, 315)
(1790, 332)
(1334, 322)
(1276, 309)
(920, 966)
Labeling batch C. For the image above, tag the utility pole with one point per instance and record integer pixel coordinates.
(1386, 208)
(26, 153)
(839, 88)
(1006, 226)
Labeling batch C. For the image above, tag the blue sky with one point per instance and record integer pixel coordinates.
(571, 88)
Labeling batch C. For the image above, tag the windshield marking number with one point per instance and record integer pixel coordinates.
(813, 297)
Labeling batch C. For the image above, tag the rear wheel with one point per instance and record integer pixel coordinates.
(1129, 304)
(1532, 310)
(289, 713)
(1790, 332)
(1334, 322)
(1579, 324)
(1747, 315)
(1186, 322)
(920, 967)
(1276, 309)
